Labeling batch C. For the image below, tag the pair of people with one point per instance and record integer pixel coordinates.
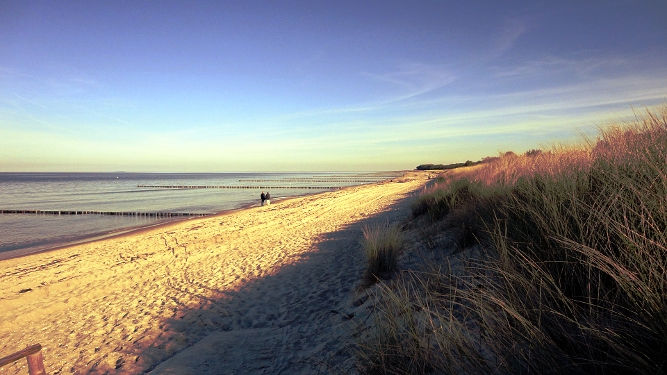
(266, 198)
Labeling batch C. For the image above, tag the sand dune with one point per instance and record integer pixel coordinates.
(262, 290)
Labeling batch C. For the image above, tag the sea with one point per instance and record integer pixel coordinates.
(62, 209)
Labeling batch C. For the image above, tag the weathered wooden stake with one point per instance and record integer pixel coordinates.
(36, 364)
(34, 356)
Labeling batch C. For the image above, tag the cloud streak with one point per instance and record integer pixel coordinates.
(414, 79)
(511, 31)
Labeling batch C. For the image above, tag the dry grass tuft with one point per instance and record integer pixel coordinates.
(382, 245)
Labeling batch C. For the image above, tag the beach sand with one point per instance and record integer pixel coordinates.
(262, 290)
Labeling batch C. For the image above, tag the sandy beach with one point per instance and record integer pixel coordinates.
(265, 290)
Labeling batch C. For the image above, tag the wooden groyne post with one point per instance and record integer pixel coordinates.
(34, 356)
(313, 180)
(112, 213)
(238, 187)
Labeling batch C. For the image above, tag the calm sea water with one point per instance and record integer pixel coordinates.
(22, 234)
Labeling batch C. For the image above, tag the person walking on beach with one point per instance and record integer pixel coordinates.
(267, 198)
(263, 196)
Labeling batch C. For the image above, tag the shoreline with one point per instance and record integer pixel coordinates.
(132, 230)
(100, 236)
(263, 284)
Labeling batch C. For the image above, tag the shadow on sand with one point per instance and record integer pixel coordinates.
(299, 319)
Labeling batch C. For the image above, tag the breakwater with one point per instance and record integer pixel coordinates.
(237, 187)
(110, 213)
(329, 180)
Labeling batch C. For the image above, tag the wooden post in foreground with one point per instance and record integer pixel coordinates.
(33, 354)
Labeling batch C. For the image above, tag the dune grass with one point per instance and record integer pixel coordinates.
(382, 246)
(568, 273)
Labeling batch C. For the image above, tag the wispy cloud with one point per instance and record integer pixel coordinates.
(512, 29)
(26, 100)
(552, 65)
(561, 109)
(414, 79)
(9, 72)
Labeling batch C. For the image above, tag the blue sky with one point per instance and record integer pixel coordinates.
(219, 86)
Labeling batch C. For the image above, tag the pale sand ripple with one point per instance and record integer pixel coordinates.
(259, 291)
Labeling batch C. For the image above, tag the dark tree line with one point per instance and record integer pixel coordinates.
(431, 167)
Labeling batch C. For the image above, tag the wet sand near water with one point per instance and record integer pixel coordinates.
(261, 290)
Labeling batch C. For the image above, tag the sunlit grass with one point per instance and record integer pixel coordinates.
(572, 279)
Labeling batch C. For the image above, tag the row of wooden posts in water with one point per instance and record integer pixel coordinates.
(172, 214)
(159, 214)
(110, 213)
(313, 180)
(237, 187)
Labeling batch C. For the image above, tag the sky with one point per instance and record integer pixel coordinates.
(263, 86)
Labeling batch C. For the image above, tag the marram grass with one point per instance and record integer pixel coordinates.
(570, 279)
(382, 245)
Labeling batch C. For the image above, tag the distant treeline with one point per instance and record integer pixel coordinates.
(468, 163)
(431, 167)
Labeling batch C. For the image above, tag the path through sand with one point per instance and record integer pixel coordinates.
(265, 290)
